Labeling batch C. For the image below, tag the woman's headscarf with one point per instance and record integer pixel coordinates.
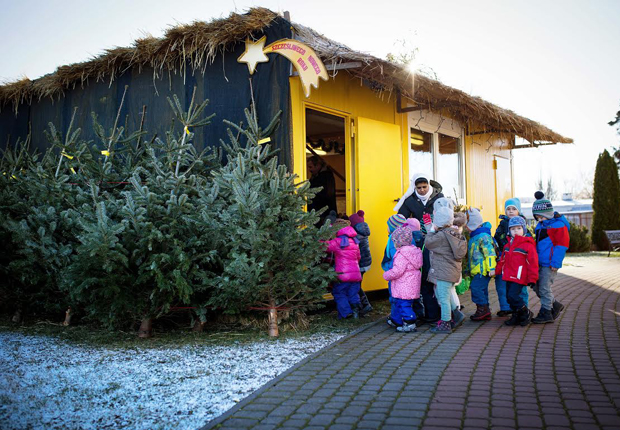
(412, 190)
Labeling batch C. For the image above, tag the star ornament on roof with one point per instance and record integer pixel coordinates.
(254, 54)
(307, 64)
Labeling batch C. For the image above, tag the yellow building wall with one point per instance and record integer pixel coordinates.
(480, 152)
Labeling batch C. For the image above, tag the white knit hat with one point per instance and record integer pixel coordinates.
(443, 216)
(474, 219)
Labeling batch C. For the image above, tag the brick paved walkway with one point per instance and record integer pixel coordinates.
(554, 376)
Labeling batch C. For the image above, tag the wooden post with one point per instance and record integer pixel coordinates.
(272, 318)
(146, 328)
(68, 315)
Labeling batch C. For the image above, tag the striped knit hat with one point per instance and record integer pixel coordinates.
(395, 221)
(542, 206)
(402, 236)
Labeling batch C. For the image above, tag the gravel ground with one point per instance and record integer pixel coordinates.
(47, 383)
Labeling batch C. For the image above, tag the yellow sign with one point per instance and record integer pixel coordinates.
(306, 62)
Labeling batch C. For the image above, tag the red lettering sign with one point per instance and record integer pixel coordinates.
(302, 63)
(314, 64)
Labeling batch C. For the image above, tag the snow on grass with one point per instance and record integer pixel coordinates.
(48, 383)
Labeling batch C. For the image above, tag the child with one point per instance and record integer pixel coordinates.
(418, 241)
(405, 279)
(447, 247)
(480, 263)
(552, 240)
(460, 219)
(393, 223)
(512, 208)
(363, 232)
(347, 255)
(518, 266)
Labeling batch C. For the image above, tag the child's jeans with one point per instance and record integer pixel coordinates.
(501, 288)
(546, 276)
(402, 311)
(346, 294)
(446, 300)
(515, 295)
(480, 290)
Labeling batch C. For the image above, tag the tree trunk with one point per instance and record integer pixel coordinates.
(17, 316)
(272, 318)
(146, 328)
(68, 315)
(199, 326)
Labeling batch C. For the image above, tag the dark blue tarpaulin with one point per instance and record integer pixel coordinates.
(225, 82)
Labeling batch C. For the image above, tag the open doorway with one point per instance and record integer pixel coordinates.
(325, 141)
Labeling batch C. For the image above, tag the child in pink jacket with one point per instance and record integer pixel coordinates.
(406, 278)
(347, 255)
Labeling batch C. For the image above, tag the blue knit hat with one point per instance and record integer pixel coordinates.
(395, 221)
(513, 202)
(542, 206)
(516, 221)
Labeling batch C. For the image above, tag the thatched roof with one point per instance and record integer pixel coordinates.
(197, 45)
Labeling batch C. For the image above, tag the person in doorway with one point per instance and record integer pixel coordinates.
(481, 262)
(322, 176)
(363, 232)
(512, 209)
(552, 240)
(518, 266)
(405, 278)
(417, 202)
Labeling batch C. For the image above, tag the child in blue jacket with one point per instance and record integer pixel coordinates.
(552, 240)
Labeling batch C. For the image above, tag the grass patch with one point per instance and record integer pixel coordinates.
(591, 254)
(167, 335)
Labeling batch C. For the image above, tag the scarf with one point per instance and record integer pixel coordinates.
(412, 190)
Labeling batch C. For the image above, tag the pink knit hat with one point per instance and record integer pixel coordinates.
(402, 236)
(356, 218)
(413, 223)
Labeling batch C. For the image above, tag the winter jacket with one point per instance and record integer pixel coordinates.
(347, 254)
(414, 208)
(481, 251)
(390, 250)
(447, 247)
(327, 196)
(363, 231)
(519, 261)
(405, 275)
(552, 240)
(501, 235)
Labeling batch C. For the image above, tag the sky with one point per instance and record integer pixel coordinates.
(553, 61)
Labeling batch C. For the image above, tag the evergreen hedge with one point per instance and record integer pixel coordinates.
(606, 203)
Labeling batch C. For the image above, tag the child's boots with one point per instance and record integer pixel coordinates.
(442, 327)
(521, 317)
(407, 327)
(355, 308)
(544, 317)
(556, 309)
(483, 313)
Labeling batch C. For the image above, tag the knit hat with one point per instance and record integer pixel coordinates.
(395, 221)
(516, 221)
(474, 219)
(443, 217)
(341, 223)
(542, 206)
(443, 202)
(413, 224)
(513, 202)
(356, 218)
(402, 236)
(460, 219)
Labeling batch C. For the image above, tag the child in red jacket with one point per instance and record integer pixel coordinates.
(519, 268)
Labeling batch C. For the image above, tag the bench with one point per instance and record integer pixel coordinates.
(613, 237)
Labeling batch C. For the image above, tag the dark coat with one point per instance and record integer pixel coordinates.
(363, 231)
(414, 208)
(327, 196)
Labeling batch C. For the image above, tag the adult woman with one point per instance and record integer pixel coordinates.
(322, 176)
(415, 203)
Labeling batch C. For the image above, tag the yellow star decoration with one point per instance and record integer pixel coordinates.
(254, 54)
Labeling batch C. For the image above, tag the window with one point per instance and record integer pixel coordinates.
(440, 156)
(421, 153)
(449, 165)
